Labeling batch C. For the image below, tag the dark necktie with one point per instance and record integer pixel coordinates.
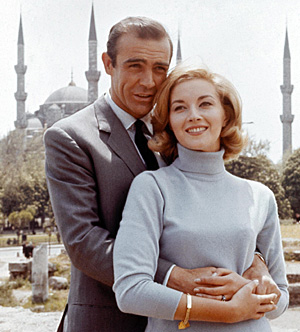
(141, 143)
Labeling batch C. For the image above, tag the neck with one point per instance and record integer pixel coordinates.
(210, 163)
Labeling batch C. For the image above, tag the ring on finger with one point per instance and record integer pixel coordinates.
(223, 298)
(272, 302)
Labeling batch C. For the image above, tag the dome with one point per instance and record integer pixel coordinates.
(70, 94)
(34, 123)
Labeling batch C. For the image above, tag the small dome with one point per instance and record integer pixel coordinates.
(34, 123)
(70, 94)
(54, 107)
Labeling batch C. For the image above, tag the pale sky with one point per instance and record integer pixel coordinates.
(242, 40)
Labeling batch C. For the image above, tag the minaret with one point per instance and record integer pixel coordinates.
(92, 75)
(20, 95)
(286, 90)
(178, 56)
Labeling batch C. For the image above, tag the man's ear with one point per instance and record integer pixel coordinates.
(107, 63)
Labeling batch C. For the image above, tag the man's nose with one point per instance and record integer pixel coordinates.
(147, 79)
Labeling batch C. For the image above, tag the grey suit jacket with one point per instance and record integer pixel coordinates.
(90, 164)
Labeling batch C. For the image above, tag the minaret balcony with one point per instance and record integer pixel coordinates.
(92, 75)
(288, 89)
(21, 124)
(20, 96)
(287, 118)
(20, 69)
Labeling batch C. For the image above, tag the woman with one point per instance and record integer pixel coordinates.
(194, 213)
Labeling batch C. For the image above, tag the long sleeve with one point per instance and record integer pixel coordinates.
(270, 245)
(73, 193)
(136, 253)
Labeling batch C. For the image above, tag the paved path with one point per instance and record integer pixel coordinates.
(288, 322)
(23, 320)
(18, 319)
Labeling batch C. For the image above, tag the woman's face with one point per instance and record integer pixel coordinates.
(197, 115)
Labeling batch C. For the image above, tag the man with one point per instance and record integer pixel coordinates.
(91, 160)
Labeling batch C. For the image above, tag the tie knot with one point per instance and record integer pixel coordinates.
(141, 127)
(139, 124)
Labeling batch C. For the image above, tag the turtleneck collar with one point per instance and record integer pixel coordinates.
(210, 163)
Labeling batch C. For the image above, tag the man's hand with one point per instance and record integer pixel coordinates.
(258, 270)
(184, 279)
(208, 282)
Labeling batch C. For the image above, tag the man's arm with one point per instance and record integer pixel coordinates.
(208, 282)
(73, 193)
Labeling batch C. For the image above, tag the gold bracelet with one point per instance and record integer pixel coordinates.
(185, 323)
(261, 257)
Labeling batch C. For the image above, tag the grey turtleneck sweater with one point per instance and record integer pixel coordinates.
(195, 214)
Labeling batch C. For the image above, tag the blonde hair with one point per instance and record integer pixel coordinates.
(232, 138)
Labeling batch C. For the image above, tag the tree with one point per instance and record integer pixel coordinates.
(254, 149)
(291, 180)
(260, 168)
(22, 175)
(14, 220)
(25, 219)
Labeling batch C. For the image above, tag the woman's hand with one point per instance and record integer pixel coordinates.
(247, 305)
(258, 270)
(221, 285)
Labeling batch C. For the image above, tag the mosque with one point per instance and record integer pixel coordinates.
(70, 99)
(62, 102)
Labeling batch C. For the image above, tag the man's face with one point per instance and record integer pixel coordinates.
(141, 67)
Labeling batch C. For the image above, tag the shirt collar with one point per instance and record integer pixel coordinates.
(127, 119)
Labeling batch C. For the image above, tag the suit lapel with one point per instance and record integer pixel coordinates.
(119, 140)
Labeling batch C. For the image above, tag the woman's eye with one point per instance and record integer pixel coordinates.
(178, 108)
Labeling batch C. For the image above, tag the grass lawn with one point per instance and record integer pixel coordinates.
(35, 239)
(290, 231)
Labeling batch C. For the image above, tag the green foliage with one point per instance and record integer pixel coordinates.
(291, 180)
(20, 219)
(56, 302)
(260, 168)
(31, 209)
(254, 149)
(13, 219)
(22, 177)
(25, 218)
(6, 297)
(6, 291)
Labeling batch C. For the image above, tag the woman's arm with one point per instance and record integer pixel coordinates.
(136, 252)
(243, 306)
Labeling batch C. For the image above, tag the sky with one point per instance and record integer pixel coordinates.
(242, 40)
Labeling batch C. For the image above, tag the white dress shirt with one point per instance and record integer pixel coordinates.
(128, 122)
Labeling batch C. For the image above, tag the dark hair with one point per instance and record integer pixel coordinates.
(142, 27)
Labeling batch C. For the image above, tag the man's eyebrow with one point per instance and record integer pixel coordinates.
(132, 60)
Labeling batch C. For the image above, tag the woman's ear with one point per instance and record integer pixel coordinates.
(225, 121)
